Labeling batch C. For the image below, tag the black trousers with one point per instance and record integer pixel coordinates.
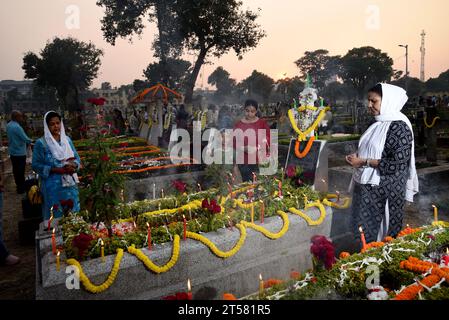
(18, 170)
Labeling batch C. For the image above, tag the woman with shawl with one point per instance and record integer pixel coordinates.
(385, 174)
(56, 161)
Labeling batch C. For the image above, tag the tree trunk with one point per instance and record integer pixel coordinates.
(193, 77)
(161, 13)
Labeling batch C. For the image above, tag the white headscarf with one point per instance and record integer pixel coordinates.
(372, 142)
(62, 150)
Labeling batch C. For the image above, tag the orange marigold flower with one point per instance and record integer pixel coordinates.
(295, 275)
(271, 282)
(344, 255)
(229, 296)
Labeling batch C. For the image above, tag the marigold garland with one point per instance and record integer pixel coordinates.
(303, 135)
(306, 151)
(345, 205)
(267, 233)
(214, 249)
(372, 245)
(433, 122)
(408, 231)
(153, 267)
(306, 217)
(109, 281)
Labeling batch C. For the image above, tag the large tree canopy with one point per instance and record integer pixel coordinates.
(68, 65)
(220, 78)
(258, 84)
(319, 65)
(203, 26)
(176, 69)
(364, 67)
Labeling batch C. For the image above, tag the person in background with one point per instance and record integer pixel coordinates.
(76, 125)
(134, 123)
(118, 122)
(17, 148)
(250, 122)
(6, 259)
(56, 161)
(384, 166)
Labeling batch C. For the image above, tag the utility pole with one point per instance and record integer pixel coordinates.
(406, 64)
(423, 55)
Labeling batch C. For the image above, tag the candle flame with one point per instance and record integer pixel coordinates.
(360, 229)
(101, 242)
(433, 206)
(189, 287)
(337, 192)
(408, 226)
(324, 181)
(260, 277)
(184, 217)
(148, 225)
(54, 230)
(447, 250)
(58, 253)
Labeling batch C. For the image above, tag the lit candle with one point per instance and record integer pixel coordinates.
(102, 250)
(321, 102)
(262, 211)
(362, 236)
(154, 191)
(57, 261)
(122, 195)
(260, 286)
(280, 189)
(435, 212)
(135, 225)
(53, 241)
(230, 223)
(338, 195)
(149, 236)
(51, 218)
(254, 178)
(159, 206)
(162, 193)
(189, 290)
(230, 189)
(252, 211)
(199, 187)
(185, 227)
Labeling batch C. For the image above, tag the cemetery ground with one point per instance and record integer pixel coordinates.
(18, 282)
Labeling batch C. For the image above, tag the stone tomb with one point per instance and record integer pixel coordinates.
(238, 274)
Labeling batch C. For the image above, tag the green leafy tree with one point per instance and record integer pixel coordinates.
(124, 18)
(68, 65)
(439, 84)
(288, 89)
(220, 78)
(364, 67)
(213, 28)
(414, 86)
(177, 70)
(258, 84)
(319, 65)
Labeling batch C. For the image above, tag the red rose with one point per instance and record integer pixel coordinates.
(182, 296)
(205, 204)
(104, 131)
(215, 209)
(291, 171)
(179, 185)
(115, 131)
(55, 207)
(105, 158)
(82, 242)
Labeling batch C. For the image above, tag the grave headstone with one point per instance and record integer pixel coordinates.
(314, 164)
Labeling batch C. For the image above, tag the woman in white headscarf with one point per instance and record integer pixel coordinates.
(385, 174)
(56, 161)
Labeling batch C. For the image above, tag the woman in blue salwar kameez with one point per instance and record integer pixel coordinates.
(56, 161)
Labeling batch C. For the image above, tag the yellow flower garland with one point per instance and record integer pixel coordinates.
(433, 122)
(110, 280)
(150, 265)
(328, 203)
(214, 249)
(302, 136)
(306, 217)
(267, 233)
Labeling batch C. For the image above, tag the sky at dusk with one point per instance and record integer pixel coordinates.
(292, 27)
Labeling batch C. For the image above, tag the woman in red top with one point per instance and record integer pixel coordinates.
(250, 125)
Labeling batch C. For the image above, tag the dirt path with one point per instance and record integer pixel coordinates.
(16, 282)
